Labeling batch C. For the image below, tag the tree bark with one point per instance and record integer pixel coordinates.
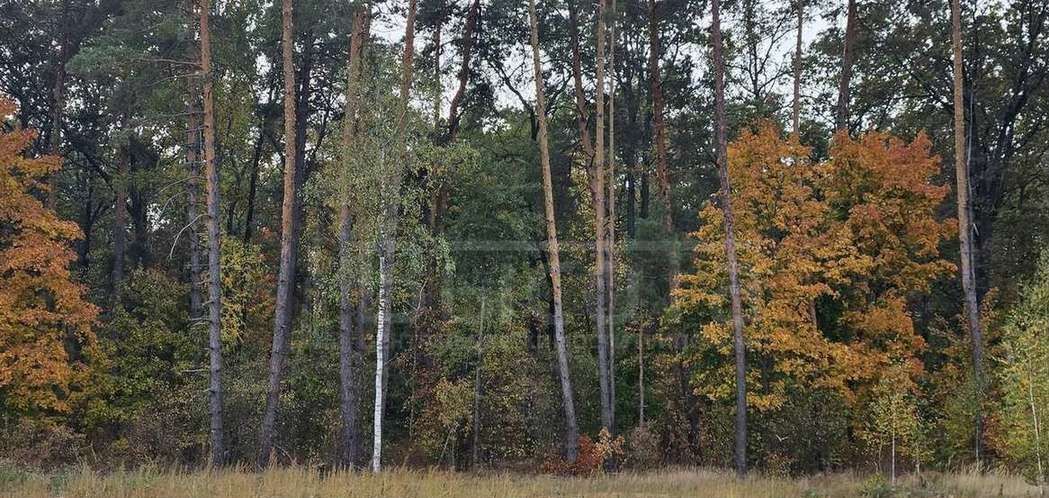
(57, 103)
(120, 216)
(841, 121)
(582, 117)
(286, 275)
(597, 189)
(610, 244)
(388, 238)
(215, 393)
(796, 108)
(349, 329)
(659, 141)
(571, 435)
(961, 173)
(730, 238)
(192, 202)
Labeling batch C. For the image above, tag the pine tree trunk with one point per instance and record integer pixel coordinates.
(215, 393)
(388, 238)
(582, 117)
(796, 108)
(193, 153)
(659, 141)
(571, 435)
(349, 329)
(597, 189)
(730, 238)
(286, 275)
(961, 173)
(841, 121)
(192, 202)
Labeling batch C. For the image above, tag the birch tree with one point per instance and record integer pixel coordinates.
(388, 237)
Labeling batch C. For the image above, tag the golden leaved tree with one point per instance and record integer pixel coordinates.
(45, 322)
(830, 253)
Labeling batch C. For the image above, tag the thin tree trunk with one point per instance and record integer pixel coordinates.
(349, 392)
(192, 192)
(796, 114)
(659, 141)
(641, 376)
(388, 238)
(841, 121)
(730, 239)
(253, 185)
(286, 275)
(610, 244)
(571, 435)
(1035, 423)
(58, 92)
(120, 216)
(215, 395)
(469, 30)
(582, 117)
(475, 447)
(597, 189)
(961, 173)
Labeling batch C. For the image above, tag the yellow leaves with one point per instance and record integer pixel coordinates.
(829, 254)
(41, 308)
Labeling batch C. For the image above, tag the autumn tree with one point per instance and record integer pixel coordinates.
(45, 320)
(831, 252)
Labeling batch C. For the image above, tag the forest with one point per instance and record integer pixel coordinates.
(544, 237)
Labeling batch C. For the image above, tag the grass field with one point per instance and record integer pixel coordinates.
(300, 482)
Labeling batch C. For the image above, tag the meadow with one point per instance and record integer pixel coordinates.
(304, 482)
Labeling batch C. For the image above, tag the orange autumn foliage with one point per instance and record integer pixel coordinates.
(43, 313)
(830, 252)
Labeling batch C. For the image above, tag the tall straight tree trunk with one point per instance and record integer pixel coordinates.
(215, 395)
(610, 244)
(730, 238)
(120, 217)
(841, 121)
(253, 185)
(286, 275)
(659, 140)
(193, 156)
(961, 173)
(192, 202)
(58, 92)
(597, 189)
(571, 435)
(388, 239)
(582, 116)
(349, 391)
(796, 108)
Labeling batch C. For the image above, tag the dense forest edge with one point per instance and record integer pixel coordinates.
(779, 238)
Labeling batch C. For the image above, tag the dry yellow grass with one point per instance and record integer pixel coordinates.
(298, 482)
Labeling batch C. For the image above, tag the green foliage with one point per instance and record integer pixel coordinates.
(1025, 377)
